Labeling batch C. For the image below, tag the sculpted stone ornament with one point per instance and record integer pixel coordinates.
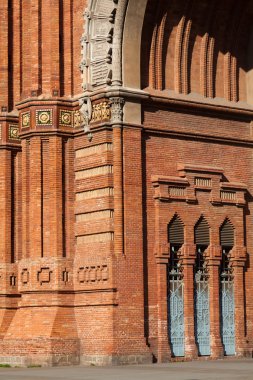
(97, 43)
(117, 106)
(86, 113)
(101, 112)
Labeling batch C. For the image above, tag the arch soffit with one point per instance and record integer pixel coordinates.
(131, 44)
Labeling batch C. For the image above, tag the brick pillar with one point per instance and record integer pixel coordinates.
(240, 319)
(5, 71)
(129, 338)
(163, 347)
(9, 208)
(118, 191)
(217, 350)
(188, 272)
(44, 269)
(56, 197)
(5, 206)
(35, 190)
(25, 198)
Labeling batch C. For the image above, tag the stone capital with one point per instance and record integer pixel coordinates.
(117, 109)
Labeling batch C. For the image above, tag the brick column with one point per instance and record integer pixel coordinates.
(214, 261)
(118, 191)
(239, 299)
(188, 272)
(4, 90)
(129, 338)
(240, 341)
(9, 208)
(163, 347)
(5, 206)
(44, 270)
(25, 198)
(56, 197)
(35, 190)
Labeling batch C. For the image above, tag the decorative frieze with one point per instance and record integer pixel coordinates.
(101, 112)
(77, 119)
(67, 118)
(93, 274)
(98, 112)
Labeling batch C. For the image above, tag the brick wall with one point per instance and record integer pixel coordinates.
(84, 246)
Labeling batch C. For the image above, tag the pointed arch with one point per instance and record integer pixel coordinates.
(202, 232)
(176, 231)
(227, 234)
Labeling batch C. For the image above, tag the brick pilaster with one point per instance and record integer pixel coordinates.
(217, 350)
(35, 204)
(163, 347)
(118, 191)
(188, 272)
(10, 227)
(240, 310)
(56, 197)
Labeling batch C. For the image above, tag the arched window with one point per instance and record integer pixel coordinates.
(227, 235)
(201, 233)
(176, 232)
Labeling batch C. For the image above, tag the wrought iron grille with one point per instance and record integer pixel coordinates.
(176, 305)
(227, 305)
(202, 309)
